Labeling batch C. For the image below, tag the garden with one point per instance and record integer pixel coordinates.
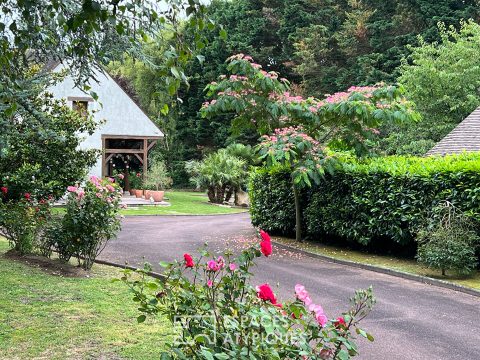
(333, 165)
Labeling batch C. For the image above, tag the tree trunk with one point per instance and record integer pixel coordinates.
(298, 215)
(211, 194)
(229, 193)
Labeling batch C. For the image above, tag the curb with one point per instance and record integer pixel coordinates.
(224, 214)
(125, 266)
(401, 274)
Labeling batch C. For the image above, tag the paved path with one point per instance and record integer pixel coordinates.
(410, 320)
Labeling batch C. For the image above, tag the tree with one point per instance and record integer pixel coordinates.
(220, 173)
(443, 79)
(346, 120)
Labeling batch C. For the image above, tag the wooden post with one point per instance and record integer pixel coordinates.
(103, 158)
(145, 160)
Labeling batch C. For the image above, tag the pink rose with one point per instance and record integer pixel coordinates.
(232, 266)
(72, 189)
(212, 265)
(121, 176)
(209, 283)
(112, 180)
(110, 188)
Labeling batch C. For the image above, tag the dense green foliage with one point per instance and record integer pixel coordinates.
(386, 200)
(443, 79)
(221, 173)
(450, 242)
(320, 46)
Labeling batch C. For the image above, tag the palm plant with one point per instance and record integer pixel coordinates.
(220, 173)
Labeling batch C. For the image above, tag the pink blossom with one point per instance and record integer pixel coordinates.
(209, 283)
(212, 265)
(72, 189)
(121, 176)
(80, 194)
(111, 179)
(302, 294)
(232, 266)
(110, 188)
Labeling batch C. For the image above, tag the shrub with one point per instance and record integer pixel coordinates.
(219, 315)
(157, 176)
(220, 173)
(385, 199)
(21, 221)
(450, 244)
(90, 221)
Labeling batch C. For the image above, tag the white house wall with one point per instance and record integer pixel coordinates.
(120, 115)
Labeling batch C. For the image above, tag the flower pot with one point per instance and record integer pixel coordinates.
(157, 195)
(147, 194)
(138, 193)
(132, 192)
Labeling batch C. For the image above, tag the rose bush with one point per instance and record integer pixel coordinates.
(90, 221)
(219, 315)
(22, 220)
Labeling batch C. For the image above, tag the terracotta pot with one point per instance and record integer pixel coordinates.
(132, 192)
(138, 193)
(147, 194)
(157, 195)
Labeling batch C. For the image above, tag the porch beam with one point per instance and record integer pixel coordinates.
(139, 158)
(124, 151)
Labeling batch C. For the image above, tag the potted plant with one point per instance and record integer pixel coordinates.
(135, 179)
(158, 179)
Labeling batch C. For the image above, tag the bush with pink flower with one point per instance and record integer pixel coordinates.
(22, 220)
(90, 221)
(219, 313)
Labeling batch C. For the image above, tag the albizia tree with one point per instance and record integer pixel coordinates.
(303, 127)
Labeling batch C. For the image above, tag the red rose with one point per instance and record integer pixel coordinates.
(188, 260)
(340, 321)
(27, 196)
(4, 189)
(266, 248)
(264, 235)
(265, 293)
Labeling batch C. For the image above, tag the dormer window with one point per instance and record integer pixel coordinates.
(80, 104)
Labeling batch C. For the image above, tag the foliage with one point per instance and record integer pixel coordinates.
(22, 221)
(261, 101)
(157, 176)
(135, 179)
(450, 243)
(219, 315)
(443, 79)
(41, 155)
(90, 221)
(220, 173)
(384, 200)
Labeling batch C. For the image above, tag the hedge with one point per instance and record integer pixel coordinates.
(386, 199)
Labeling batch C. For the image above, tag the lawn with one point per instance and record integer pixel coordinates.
(182, 203)
(399, 264)
(47, 315)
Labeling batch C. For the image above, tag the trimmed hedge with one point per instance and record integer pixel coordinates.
(386, 199)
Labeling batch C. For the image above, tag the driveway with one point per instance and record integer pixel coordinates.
(410, 320)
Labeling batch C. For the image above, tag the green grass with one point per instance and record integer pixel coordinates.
(44, 315)
(182, 203)
(404, 265)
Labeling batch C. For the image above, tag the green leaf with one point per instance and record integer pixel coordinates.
(141, 319)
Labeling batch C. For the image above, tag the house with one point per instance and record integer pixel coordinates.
(465, 137)
(126, 134)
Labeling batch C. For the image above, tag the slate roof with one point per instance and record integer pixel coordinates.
(465, 137)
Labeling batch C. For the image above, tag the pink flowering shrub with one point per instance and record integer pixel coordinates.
(218, 314)
(90, 221)
(22, 220)
(263, 101)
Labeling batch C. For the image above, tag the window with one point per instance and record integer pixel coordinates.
(80, 106)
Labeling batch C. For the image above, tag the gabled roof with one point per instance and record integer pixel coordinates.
(465, 137)
(121, 113)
